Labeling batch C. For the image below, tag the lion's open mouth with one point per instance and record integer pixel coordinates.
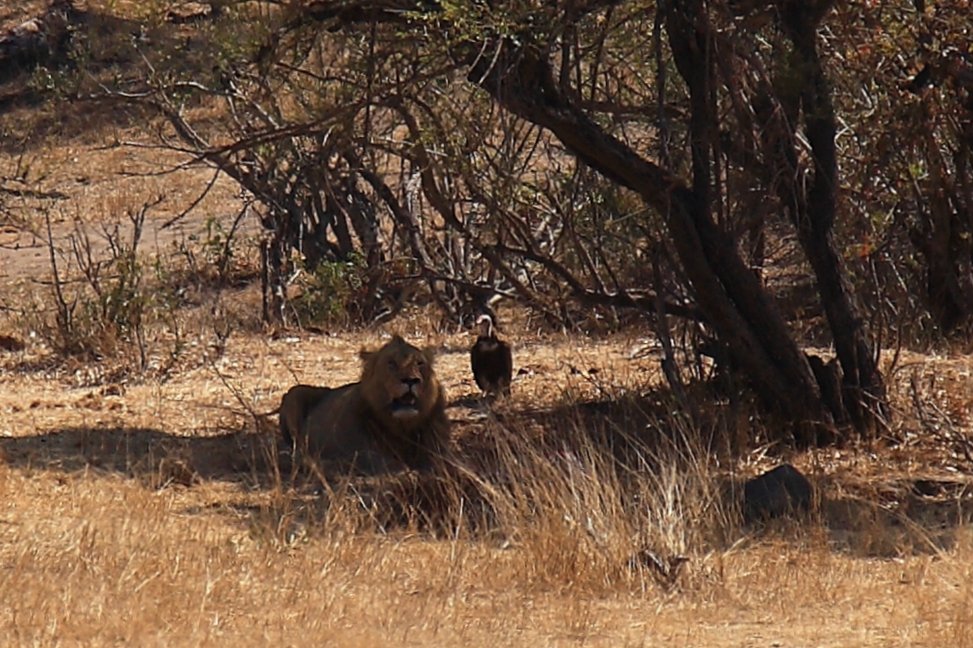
(405, 405)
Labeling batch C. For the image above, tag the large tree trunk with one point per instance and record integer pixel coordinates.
(813, 214)
(729, 294)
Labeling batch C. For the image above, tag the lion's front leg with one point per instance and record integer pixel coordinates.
(374, 462)
(432, 445)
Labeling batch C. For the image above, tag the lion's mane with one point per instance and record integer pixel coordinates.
(393, 417)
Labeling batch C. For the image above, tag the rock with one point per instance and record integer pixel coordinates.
(776, 493)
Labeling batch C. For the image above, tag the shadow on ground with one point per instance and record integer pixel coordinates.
(148, 454)
(900, 517)
(284, 498)
(884, 520)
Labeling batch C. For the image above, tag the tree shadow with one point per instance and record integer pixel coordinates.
(286, 496)
(889, 519)
(152, 455)
(860, 516)
(431, 506)
(900, 517)
(886, 520)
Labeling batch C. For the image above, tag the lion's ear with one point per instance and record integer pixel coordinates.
(366, 355)
(429, 353)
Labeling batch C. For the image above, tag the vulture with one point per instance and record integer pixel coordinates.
(491, 360)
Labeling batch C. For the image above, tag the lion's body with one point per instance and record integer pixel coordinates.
(394, 416)
(296, 404)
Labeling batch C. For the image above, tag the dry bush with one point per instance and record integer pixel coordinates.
(125, 310)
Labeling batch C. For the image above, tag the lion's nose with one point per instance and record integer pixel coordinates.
(411, 383)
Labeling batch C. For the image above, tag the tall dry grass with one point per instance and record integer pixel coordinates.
(538, 541)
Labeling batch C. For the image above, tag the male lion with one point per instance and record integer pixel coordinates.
(394, 417)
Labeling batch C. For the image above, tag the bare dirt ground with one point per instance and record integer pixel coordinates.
(91, 185)
(142, 509)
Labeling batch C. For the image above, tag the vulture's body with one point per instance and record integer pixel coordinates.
(491, 360)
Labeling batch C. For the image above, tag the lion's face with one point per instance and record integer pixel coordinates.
(399, 381)
(394, 415)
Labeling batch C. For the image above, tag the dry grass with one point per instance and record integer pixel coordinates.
(104, 542)
(99, 560)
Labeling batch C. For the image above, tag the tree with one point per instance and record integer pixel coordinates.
(751, 114)
(372, 127)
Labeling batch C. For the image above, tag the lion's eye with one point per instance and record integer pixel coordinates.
(392, 365)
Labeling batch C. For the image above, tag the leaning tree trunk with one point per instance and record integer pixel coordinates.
(728, 293)
(689, 41)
